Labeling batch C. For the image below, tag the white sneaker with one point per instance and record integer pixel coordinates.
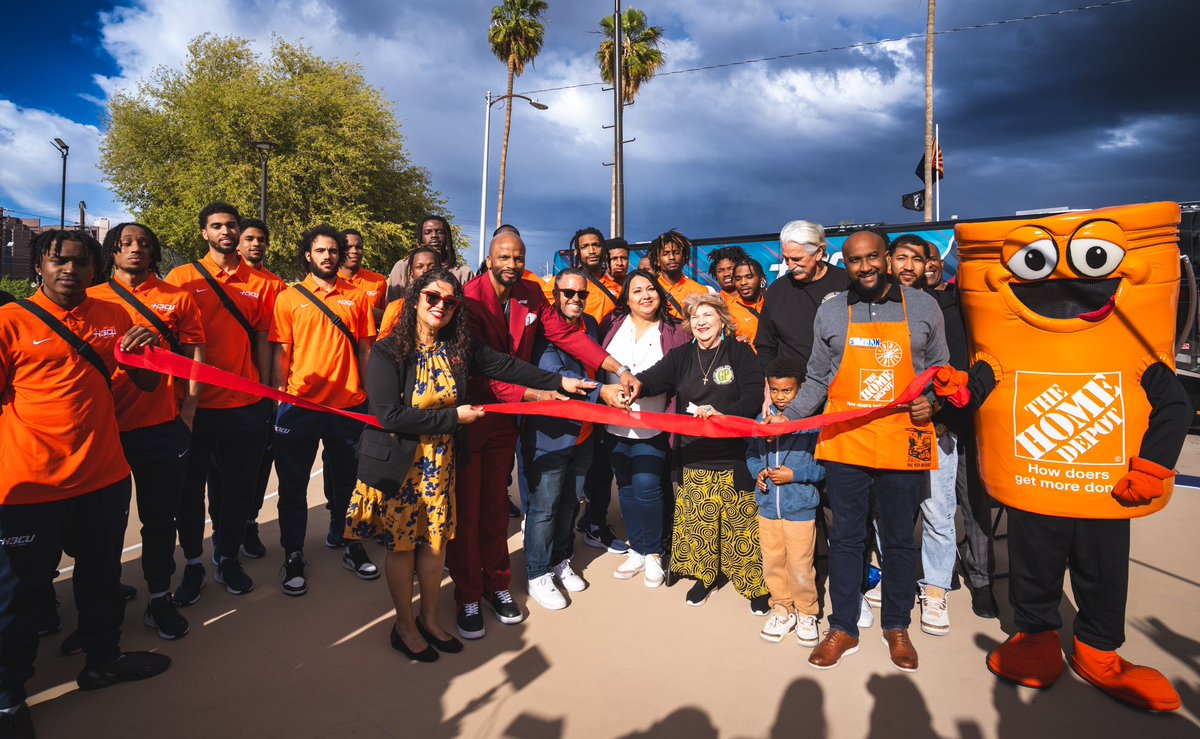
(571, 581)
(874, 596)
(632, 565)
(654, 574)
(778, 625)
(935, 611)
(543, 591)
(807, 633)
(866, 619)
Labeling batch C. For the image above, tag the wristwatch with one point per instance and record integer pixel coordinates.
(623, 369)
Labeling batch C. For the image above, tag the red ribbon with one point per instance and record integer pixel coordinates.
(716, 427)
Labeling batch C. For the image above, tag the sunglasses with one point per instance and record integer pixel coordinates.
(570, 294)
(433, 298)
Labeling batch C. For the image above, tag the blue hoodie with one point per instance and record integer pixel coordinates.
(797, 500)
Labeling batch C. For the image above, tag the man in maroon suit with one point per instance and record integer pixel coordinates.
(504, 312)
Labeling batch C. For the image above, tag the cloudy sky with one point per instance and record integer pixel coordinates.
(1085, 109)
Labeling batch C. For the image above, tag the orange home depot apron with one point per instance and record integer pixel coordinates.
(876, 365)
(1068, 411)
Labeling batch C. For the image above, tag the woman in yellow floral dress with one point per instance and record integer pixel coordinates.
(405, 492)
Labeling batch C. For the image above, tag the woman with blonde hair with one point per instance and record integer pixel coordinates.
(715, 534)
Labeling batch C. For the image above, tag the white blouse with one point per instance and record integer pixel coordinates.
(639, 355)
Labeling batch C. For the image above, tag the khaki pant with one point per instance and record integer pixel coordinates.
(788, 548)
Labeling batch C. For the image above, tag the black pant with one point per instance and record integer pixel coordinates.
(235, 438)
(975, 547)
(1041, 548)
(850, 489)
(597, 489)
(264, 467)
(158, 457)
(32, 543)
(298, 431)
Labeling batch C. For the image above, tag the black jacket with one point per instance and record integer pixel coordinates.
(386, 455)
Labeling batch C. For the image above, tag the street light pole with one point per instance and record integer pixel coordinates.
(489, 101)
(264, 149)
(618, 134)
(64, 150)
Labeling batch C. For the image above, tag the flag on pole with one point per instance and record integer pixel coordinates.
(938, 165)
(914, 200)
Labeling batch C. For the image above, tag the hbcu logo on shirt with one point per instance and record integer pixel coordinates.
(104, 333)
(1072, 419)
(348, 303)
(250, 294)
(162, 307)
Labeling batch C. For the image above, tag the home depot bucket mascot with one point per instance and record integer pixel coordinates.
(1081, 421)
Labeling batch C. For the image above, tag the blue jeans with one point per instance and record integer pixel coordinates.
(939, 543)
(899, 494)
(555, 481)
(640, 466)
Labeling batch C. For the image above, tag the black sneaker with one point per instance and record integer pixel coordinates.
(699, 593)
(502, 605)
(18, 724)
(983, 602)
(334, 539)
(71, 645)
(760, 605)
(128, 592)
(162, 614)
(603, 537)
(470, 621)
(233, 577)
(188, 591)
(356, 560)
(128, 667)
(293, 581)
(253, 547)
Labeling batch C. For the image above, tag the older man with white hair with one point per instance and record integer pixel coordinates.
(785, 328)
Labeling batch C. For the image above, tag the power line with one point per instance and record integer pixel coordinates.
(27, 213)
(858, 45)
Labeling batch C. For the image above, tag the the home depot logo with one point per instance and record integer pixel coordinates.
(1069, 418)
(876, 386)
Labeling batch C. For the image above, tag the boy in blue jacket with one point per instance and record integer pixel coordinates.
(787, 507)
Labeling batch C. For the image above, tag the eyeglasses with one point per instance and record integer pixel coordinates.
(433, 298)
(570, 294)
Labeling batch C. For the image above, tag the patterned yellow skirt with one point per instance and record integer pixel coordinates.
(716, 532)
(420, 514)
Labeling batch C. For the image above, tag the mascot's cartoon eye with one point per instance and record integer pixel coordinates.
(1034, 261)
(1094, 257)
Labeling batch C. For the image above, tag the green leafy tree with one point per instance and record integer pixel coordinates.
(515, 34)
(183, 139)
(640, 58)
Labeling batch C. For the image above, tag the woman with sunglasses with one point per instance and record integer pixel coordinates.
(405, 492)
(638, 334)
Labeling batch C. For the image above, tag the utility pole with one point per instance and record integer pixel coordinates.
(930, 169)
(82, 214)
(618, 111)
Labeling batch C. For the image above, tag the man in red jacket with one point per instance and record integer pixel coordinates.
(504, 313)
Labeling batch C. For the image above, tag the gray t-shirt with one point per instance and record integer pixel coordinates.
(925, 324)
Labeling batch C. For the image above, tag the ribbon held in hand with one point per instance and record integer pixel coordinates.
(716, 427)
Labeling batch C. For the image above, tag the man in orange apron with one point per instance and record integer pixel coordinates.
(1081, 420)
(869, 343)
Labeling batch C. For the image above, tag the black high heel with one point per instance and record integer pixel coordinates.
(428, 654)
(449, 646)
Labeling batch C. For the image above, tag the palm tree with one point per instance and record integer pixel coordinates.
(930, 162)
(516, 35)
(641, 59)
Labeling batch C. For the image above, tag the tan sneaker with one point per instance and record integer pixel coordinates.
(832, 648)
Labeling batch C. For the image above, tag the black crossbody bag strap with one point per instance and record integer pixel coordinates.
(228, 303)
(600, 285)
(333, 317)
(143, 309)
(675, 304)
(753, 311)
(81, 347)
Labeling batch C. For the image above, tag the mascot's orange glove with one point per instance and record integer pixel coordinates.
(951, 384)
(1143, 483)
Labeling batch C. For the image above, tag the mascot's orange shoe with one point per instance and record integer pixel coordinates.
(1032, 660)
(1141, 687)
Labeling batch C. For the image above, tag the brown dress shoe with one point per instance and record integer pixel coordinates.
(832, 648)
(903, 653)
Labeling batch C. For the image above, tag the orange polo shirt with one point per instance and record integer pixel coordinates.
(371, 283)
(58, 429)
(680, 291)
(391, 316)
(228, 347)
(747, 322)
(176, 308)
(324, 366)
